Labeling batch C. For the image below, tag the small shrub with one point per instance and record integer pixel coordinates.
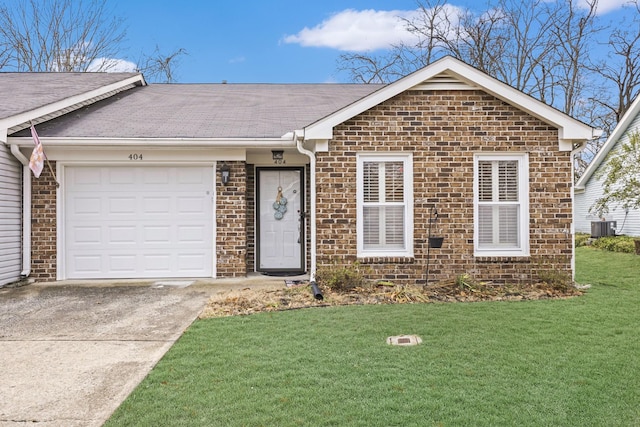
(581, 239)
(341, 278)
(464, 281)
(558, 280)
(615, 244)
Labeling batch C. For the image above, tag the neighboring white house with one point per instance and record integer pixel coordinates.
(589, 187)
(10, 216)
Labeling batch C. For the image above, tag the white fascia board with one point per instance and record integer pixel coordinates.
(24, 117)
(156, 142)
(570, 130)
(618, 132)
(146, 156)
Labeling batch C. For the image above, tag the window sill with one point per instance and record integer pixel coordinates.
(386, 260)
(509, 259)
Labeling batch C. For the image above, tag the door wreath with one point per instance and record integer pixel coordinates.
(280, 205)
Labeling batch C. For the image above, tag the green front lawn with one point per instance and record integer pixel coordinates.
(573, 362)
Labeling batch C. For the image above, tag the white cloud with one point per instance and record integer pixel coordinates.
(357, 30)
(237, 60)
(605, 6)
(369, 30)
(112, 65)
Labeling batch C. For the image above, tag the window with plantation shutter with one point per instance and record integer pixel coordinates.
(501, 208)
(385, 215)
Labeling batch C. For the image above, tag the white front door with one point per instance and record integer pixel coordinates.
(138, 222)
(280, 220)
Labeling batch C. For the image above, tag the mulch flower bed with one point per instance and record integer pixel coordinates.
(248, 301)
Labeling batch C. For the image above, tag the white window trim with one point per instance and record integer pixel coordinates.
(523, 193)
(407, 160)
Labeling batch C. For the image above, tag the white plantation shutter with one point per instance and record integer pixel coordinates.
(500, 197)
(383, 204)
(371, 182)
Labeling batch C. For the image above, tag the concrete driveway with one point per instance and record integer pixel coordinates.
(69, 354)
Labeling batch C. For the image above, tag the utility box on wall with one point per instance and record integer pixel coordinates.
(603, 228)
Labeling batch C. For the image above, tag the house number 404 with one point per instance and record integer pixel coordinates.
(135, 156)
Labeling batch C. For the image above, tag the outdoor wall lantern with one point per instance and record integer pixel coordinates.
(225, 174)
(277, 154)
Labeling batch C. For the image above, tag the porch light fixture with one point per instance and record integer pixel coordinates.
(225, 174)
(277, 154)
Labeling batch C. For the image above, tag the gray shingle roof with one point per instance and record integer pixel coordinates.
(206, 111)
(24, 92)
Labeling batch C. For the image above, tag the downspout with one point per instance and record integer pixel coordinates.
(572, 231)
(26, 211)
(312, 196)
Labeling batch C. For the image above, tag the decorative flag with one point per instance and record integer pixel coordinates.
(36, 162)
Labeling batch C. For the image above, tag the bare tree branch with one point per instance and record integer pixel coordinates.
(540, 47)
(58, 35)
(160, 67)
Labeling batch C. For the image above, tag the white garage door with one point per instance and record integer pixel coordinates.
(138, 222)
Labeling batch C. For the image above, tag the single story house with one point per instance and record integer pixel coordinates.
(223, 180)
(589, 187)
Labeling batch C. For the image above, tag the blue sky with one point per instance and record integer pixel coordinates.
(262, 41)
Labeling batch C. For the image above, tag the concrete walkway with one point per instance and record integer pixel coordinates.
(71, 352)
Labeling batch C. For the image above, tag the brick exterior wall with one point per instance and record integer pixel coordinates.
(43, 226)
(251, 218)
(443, 130)
(231, 223)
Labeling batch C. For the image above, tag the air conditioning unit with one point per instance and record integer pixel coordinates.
(603, 228)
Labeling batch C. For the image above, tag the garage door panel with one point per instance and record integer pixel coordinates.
(191, 205)
(145, 222)
(121, 176)
(159, 264)
(157, 234)
(188, 235)
(87, 235)
(122, 263)
(89, 265)
(120, 235)
(191, 262)
(86, 178)
(156, 205)
(156, 176)
(191, 176)
(122, 206)
(85, 205)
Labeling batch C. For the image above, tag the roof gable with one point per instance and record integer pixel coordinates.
(450, 73)
(618, 132)
(43, 96)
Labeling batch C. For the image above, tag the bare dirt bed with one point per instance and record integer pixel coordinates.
(249, 301)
